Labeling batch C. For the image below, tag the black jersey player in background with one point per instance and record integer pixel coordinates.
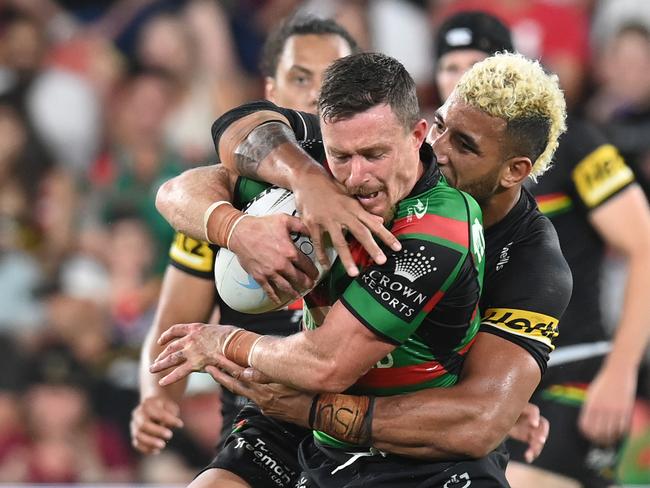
(504, 365)
(591, 198)
(295, 57)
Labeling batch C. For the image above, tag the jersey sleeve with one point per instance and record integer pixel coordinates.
(193, 256)
(392, 299)
(600, 171)
(531, 290)
(305, 126)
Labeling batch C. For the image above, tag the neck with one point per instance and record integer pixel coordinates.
(498, 206)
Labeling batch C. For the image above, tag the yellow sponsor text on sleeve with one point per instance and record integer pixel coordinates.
(192, 253)
(601, 174)
(532, 325)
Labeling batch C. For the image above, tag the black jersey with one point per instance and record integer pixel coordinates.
(587, 173)
(527, 280)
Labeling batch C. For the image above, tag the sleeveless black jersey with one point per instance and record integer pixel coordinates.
(587, 172)
(527, 282)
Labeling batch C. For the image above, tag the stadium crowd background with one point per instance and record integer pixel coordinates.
(102, 101)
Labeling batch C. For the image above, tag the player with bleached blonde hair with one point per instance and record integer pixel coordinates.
(517, 90)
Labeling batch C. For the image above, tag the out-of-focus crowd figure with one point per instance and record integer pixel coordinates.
(102, 101)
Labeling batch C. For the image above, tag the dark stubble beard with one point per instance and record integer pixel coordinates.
(482, 190)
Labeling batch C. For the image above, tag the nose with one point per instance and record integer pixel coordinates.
(441, 146)
(358, 174)
(313, 98)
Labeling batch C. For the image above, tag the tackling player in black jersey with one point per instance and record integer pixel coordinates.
(592, 201)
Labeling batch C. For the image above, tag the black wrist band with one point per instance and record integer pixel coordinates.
(312, 411)
(367, 420)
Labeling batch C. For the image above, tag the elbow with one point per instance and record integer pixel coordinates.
(164, 200)
(484, 432)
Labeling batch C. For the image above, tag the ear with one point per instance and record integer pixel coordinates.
(515, 171)
(269, 89)
(419, 132)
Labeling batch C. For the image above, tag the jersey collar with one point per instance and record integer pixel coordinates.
(431, 174)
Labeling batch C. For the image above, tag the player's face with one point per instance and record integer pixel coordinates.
(452, 66)
(301, 65)
(468, 144)
(375, 157)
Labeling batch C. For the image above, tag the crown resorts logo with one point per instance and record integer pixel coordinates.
(413, 265)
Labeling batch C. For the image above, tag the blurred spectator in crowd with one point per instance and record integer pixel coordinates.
(48, 93)
(36, 210)
(610, 15)
(556, 33)
(621, 103)
(195, 49)
(138, 158)
(36, 197)
(68, 443)
(133, 291)
(13, 432)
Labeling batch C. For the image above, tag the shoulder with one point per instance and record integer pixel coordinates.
(527, 270)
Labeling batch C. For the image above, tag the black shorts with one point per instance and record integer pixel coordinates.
(261, 450)
(567, 452)
(390, 471)
(231, 405)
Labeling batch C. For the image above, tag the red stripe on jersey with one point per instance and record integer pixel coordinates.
(297, 305)
(475, 312)
(549, 196)
(359, 255)
(433, 301)
(436, 225)
(402, 376)
(406, 375)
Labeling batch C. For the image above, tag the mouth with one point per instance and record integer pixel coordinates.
(373, 202)
(367, 197)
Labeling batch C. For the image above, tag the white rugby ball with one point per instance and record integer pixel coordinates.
(236, 287)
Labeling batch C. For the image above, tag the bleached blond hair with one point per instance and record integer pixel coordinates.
(518, 90)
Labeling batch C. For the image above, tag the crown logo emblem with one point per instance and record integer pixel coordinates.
(413, 265)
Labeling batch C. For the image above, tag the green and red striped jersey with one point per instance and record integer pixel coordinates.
(424, 299)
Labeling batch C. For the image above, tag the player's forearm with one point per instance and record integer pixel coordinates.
(633, 332)
(301, 362)
(184, 199)
(263, 146)
(183, 298)
(149, 386)
(437, 424)
(468, 419)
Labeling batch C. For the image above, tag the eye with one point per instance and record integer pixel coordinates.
(338, 158)
(375, 156)
(465, 148)
(301, 80)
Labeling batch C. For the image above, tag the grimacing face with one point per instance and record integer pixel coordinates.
(468, 145)
(452, 65)
(374, 157)
(300, 70)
